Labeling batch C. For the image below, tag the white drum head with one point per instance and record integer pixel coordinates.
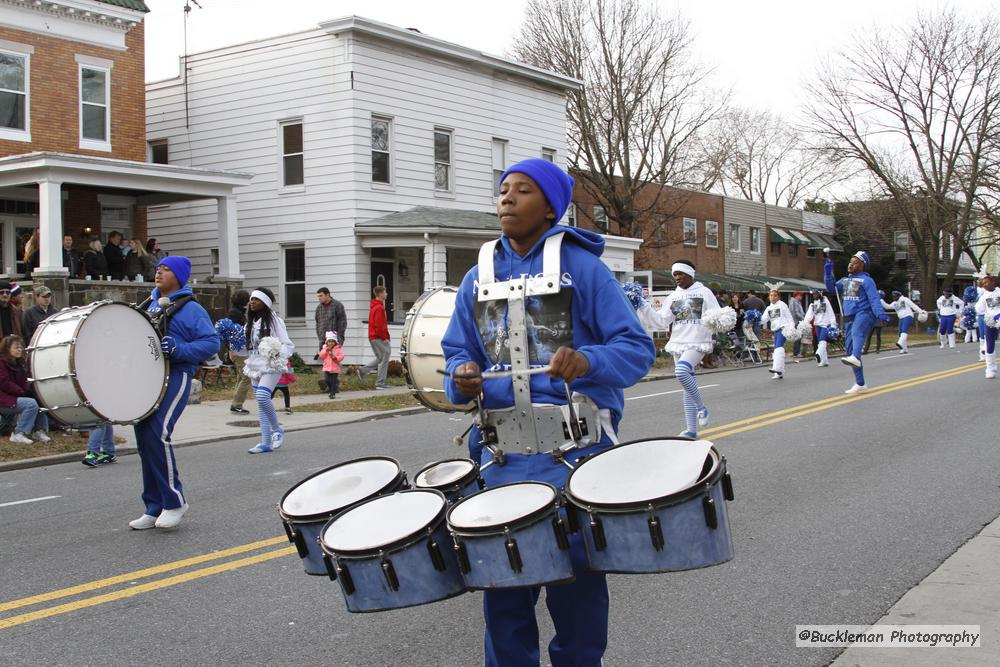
(501, 505)
(339, 487)
(118, 362)
(444, 474)
(639, 472)
(382, 521)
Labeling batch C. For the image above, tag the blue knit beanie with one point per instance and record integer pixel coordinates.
(556, 184)
(179, 265)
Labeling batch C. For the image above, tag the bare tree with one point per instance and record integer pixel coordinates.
(644, 101)
(763, 157)
(918, 109)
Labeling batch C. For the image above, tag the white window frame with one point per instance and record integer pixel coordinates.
(451, 159)
(571, 215)
(284, 282)
(19, 51)
(389, 141)
(499, 165)
(896, 236)
(95, 144)
(755, 233)
(213, 261)
(684, 231)
(600, 213)
(154, 143)
(295, 187)
(708, 235)
(738, 246)
(549, 154)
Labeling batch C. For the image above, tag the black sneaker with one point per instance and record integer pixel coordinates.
(332, 396)
(106, 458)
(238, 410)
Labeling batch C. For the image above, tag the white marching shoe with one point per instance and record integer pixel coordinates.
(856, 389)
(145, 522)
(991, 374)
(170, 518)
(851, 360)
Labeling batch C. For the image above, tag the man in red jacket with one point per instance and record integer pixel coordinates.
(378, 338)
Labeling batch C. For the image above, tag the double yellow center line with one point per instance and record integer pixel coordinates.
(716, 433)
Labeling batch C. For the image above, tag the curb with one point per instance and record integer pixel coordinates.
(71, 457)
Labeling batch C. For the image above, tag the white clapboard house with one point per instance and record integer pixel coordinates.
(376, 152)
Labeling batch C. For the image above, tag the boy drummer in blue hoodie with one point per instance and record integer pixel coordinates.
(187, 340)
(862, 309)
(540, 296)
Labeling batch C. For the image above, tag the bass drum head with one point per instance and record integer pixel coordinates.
(119, 366)
(420, 348)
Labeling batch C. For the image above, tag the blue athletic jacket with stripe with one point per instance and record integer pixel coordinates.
(192, 331)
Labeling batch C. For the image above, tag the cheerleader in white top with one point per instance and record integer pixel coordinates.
(988, 307)
(690, 339)
(778, 318)
(949, 306)
(819, 315)
(905, 309)
(269, 347)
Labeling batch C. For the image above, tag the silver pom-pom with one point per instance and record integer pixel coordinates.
(992, 322)
(804, 328)
(270, 349)
(791, 333)
(719, 320)
(922, 316)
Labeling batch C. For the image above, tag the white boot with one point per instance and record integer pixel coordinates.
(951, 340)
(991, 365)
(904, 347)
(941, 339)
(778, 364)
(824, 359)
(982, 350)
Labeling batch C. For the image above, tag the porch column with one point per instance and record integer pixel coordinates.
(50, 228)
(229, 240)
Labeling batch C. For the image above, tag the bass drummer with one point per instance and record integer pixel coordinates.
(567, 313)
(187, 339)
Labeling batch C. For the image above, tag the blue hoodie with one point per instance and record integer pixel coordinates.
(192, 331)
(859, 292)
(590, 314)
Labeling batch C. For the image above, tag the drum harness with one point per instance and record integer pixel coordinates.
(161, 318)
(528, 427)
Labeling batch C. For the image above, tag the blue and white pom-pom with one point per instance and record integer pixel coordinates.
(719, 320)
(804, 328)
(791, 333)
(993, 322)
(968, 317)
(971, 294)
(232, 334)
(633, 292)
(752, 316)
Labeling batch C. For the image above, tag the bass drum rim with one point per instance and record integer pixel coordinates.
(102, 419)
(411, 318)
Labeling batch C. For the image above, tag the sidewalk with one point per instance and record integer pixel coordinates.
(963, 590)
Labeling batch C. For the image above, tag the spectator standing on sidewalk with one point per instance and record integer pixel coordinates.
(113, 254)
(71, 258)
(754, 302)
(153, 248)
(14, 398)
(330, 316)
(100, 447)
(239, 301)
(378, 338)
(287, 378)
(332, 353)
(95, 262)
(42, 309)
(10, 315)
(798, 314)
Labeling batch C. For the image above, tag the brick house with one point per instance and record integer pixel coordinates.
(73, 154)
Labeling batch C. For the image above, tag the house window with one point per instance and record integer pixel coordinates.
(690, 231)
(755, 240)
(381, 149)
(734, 239)
(213, 260)
(570, 216)
(793, 250)
(601, 218)
(711, 234)
(549, 154)
(14, 78)
(158, 152)
(901, 241)
(95, 107)
(775, 248)
(292, 165)
(810, 252)
(442, 160)
(293, 280)
(499, 162)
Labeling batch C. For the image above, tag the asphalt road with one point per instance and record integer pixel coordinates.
(840, 508)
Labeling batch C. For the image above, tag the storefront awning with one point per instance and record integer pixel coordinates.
(802, 238)
(779, 235)
(825, 241)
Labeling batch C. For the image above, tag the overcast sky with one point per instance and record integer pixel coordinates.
(762, 49)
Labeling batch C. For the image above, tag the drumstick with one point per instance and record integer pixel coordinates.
(495, 374)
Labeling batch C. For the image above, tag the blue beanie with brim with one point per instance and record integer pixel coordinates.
(556, 184)
(180, 266)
